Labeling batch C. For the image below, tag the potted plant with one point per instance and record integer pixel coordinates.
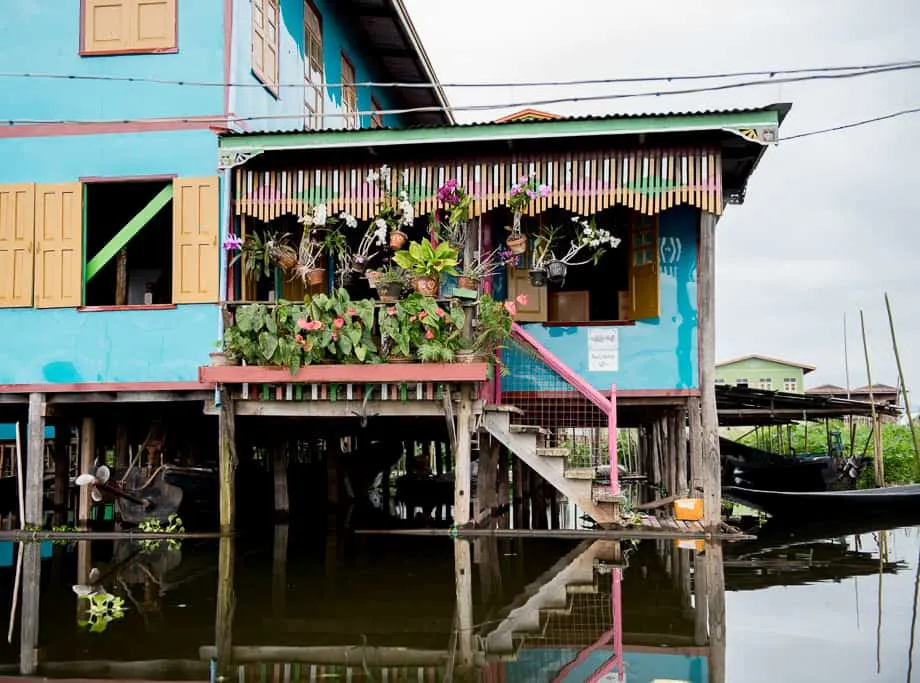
(263, 251)
(482, 267)
(390, 283)
(394, 212)
(519, 197)
(452, 228)
(373, 239)
(493, 324)
(542, 252)
(427, 263)
(435, 333)
(588, 238)
(222, 357)
(395, 333)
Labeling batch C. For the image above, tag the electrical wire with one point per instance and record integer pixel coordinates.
(854, 124)
(481, 107)
(532, 84)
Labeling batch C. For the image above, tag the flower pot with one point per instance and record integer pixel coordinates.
(517, 244)
(287, 260)
(426, 285)
(468, 356)
(348, 278)
(398, 239)
(316, 277)
(219, 359)
(372, 276)
(358, 264)
(398, 359)
(464, 282)
(556, 270)
(538, 278)
(389, 291)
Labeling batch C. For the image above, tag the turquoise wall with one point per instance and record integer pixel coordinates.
(541, 665)
(658, 353)
(43, 36)
(258, 101)
(64, 346)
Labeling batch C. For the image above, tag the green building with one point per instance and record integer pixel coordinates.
(762, 372)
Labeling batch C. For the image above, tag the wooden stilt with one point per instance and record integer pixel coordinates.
(680, 443)
(121, 447)
(280, 477)
(712, 465)
(226, 604)
(504, 479)
(464, 585)
(228, 461)
(61, 471)
(526, 497)
(696, 447)
(715, 599)
(488, 474)
(538, 498)
(462, 458)
(279, 570)
(87, 457)
(31, 589)
(35, 462)
(517, 482)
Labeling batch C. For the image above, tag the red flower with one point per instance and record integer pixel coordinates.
(521, 299)
(351, 311)
(339, 323)
(421, 316)
(429, 335)
(511, 307)
(391, 310)
(440, 312)
(298, 338)
(303, 324)
(411, 318)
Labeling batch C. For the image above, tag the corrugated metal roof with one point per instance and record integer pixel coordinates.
(781, 108)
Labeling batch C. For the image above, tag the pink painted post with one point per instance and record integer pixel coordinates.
(616, 599)
(612, 443)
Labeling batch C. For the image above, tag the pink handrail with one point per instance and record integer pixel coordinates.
(607, 406)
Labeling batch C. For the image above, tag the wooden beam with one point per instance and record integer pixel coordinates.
(696, 447)
(61, 470)
(226, 604)
(35, 462)
(357, 374)
(463, 458)
(121, 278)
(333, 654)
(463, 576)
(344, 409)
(712, 465)
(123, 236)
(87, 456)
(31, 591)
(227, 437)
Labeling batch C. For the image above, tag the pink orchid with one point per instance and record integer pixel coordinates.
(391, 310)
(298, 338)
(429, 335)
(303, 324)
(544, 190)
(521, 299)
(511, 307)
(351, 312)
(339, 323)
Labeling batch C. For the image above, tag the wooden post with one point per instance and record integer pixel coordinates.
(526, 497)
(121, 447)
(35, 462)
(279, 570)
(462, 458)
(87, 457)
(488, 474)
(464, 584)
(503, 487)
(715, 599)
(680, 441)
(538, 489)
(61, 470)
(876, 423)
(228, 461)
(517, 476)
(121, 277)
(712, 464)
(897, 359)
(280, 477)
(31, 591)
(226, 605)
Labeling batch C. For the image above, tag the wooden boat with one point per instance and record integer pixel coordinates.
(752, 468)
(898, 501)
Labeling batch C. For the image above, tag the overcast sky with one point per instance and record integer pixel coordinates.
(828, 223)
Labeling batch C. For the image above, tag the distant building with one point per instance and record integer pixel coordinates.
(762, 372)
(881, 393)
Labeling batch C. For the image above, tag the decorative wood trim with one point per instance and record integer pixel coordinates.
(140, 307)
(106, 387)
(649, 181)
(357, 374)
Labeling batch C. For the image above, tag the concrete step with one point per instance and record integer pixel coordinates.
(553, 452)
(586, 473)
(527, 429)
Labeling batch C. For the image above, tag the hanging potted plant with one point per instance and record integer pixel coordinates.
(588, 239)
(394, 212)
(456, 213)
(372, 241)
(482, 267)
(519, 197)
(263, 251)
(542, 252)
(426, 264)
(390, 283)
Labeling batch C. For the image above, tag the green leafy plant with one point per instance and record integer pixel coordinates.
(153, 526)
(336, 327)
(392, 274)
(424, 260)
(103, 608)
(263, 251)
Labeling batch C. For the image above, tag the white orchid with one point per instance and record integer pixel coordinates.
(350, 221)
(408, 213)
(373, 177)
(320, 214)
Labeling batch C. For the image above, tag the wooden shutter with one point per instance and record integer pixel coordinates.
(153, 24)
(644, 290)
(58, 245)
(17, 235)
(265, 41)
(537, 308)
(107, 25)
(196, 230)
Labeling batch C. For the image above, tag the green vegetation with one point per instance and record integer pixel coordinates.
(897, 448)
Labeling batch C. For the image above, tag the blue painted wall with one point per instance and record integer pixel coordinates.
(658, 353)
(258, 101)
(64, 346)
(541, 665)
(43, 36)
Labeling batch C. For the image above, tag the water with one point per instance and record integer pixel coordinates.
(294, 604)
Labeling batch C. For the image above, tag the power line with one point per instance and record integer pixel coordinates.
(854, 124)
(490, 107)
(770, 73)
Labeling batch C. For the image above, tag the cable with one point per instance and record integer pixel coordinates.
(854, 124)
(489, 107)
(533, 84)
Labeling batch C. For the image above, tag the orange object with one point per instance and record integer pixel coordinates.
(688, 509)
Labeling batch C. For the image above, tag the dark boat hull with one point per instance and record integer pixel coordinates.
(862, 503)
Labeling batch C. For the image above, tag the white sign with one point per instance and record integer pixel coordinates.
(603, 349)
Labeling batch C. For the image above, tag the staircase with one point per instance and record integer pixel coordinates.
(577, 484)
(550, 594)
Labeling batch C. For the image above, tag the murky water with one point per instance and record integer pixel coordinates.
(291, 604)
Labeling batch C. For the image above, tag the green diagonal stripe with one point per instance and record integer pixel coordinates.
(125, 235)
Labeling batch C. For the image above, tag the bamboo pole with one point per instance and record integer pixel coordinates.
(876, 442)
(897, 358)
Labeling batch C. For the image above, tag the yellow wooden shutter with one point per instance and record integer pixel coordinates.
(258, 37)
(153, 24)
(17, 235)
(107, 25)
(270, 59)
(537, 307)
(645, 294)
(196, 230)
(58, 245)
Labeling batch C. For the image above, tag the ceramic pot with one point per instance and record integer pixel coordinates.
(517, 245)
(316, 277)
(464, 282)
(426, 285)
(398, 239)
(389, 291)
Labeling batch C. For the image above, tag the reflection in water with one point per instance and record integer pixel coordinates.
(293, 605)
